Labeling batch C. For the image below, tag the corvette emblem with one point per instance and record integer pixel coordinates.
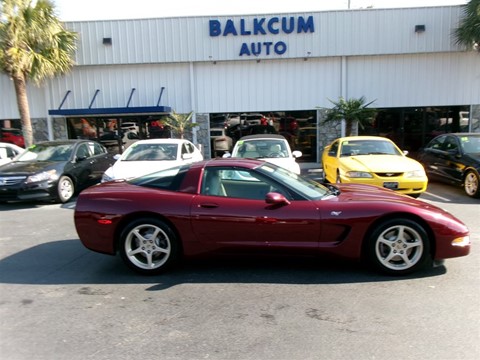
(335, 213)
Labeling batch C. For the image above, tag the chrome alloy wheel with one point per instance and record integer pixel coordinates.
(147, 247)
(399, 247)
(65, 189)
(471, 184)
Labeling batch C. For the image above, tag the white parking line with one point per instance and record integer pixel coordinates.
(438, 197)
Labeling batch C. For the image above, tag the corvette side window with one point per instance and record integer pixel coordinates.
(235, 183)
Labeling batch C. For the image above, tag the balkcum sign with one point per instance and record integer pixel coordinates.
(262, 27)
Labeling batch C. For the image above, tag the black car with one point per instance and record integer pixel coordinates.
(54, 170)
(454, 159)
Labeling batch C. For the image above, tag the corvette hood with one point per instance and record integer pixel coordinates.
(286, 163)
(131, 169)
(380, 163)
(29, 167)
(369, 193)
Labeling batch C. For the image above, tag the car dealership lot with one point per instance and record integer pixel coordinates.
(59, 300)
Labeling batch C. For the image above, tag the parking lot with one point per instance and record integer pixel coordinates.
(60, 301)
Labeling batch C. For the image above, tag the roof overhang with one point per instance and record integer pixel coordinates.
(112, 112)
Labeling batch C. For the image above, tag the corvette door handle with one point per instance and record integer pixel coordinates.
(265, 220)
(208, 205)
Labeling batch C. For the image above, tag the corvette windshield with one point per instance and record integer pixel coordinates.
(308, 188)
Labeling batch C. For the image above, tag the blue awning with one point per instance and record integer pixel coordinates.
(120, 111)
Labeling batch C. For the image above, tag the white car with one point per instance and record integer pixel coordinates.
(148, 156)
(221, 142)
(8, 152)
(268, 147)
(130, 126)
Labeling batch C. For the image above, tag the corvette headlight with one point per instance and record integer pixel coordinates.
(43, 176)
(415, 174)
(359, 174)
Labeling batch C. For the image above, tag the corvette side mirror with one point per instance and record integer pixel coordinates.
(274, 198)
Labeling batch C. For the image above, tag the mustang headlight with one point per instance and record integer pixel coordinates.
(359, 174)
(43, 176)
(415, 174)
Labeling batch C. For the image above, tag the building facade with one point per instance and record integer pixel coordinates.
(283, 66)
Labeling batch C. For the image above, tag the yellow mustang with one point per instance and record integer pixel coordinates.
(373, 160)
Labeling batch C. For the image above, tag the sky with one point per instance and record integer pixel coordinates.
(79, 10)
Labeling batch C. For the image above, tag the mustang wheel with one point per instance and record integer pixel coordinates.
(471, 184)
(399, 247)
(65, 189)
(148, 246)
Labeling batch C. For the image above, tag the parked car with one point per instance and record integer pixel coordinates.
(12, 136)
(110, 139)
(268, 147)
(236, 132)
(220, 141)
(53, 170)
(454, 159)
(130, 126)
(8, 152)
(373, 160)
(147, 156)
(251, 207)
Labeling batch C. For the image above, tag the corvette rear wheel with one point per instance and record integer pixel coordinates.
(148, 246)
(399, 247)
(471, 183)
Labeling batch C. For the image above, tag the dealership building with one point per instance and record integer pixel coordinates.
(287, 67)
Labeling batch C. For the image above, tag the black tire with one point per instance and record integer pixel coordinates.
(398, 247)
(65, 189)
(148, 246)
(471, 184)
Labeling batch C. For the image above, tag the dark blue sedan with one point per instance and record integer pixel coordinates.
(454, 159)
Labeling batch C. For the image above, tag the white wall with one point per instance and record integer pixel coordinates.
(336, 33)
(385, 60)
(416, 80)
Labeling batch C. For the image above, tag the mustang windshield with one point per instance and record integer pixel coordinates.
(306, 187)
(368, 147)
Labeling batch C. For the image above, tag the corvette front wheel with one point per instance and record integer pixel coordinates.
(148, 246)
(398, 247)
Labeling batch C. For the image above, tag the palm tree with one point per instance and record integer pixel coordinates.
(468, 34)
(34, 46)
(352, 111)
(180, 123)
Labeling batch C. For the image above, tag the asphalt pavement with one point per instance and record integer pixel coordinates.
(59, 300)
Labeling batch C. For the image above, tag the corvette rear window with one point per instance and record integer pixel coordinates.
(168, 179)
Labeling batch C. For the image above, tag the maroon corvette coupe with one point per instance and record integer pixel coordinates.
(241, 206)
